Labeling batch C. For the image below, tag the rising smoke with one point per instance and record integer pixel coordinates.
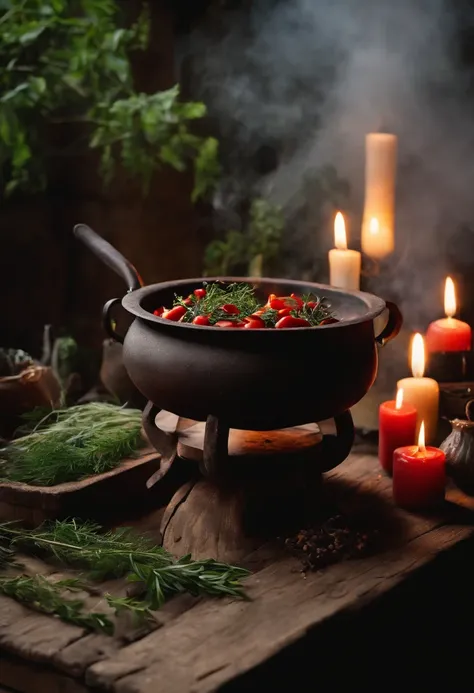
(309, 78)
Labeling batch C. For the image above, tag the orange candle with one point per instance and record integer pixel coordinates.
(449, 334)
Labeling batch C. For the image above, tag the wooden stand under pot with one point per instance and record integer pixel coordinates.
(242, 486)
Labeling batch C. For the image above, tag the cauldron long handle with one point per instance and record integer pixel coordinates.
(335, 448)
(393, 326)
(109, 255)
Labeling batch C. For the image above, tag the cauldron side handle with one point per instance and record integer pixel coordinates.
(393, 326)
(334, 449)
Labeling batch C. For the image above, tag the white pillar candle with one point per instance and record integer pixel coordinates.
(378, 223)
(344, 264)
(422, 393)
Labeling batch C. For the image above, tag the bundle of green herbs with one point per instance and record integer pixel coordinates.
(108, 554)
(71, 444)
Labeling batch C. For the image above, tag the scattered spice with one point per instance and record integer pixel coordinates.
(336, 539)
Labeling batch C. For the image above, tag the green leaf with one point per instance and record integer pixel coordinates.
(31, 35)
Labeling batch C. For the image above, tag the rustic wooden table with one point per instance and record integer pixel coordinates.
(391, 615)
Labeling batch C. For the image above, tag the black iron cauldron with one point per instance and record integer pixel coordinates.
(250, 379)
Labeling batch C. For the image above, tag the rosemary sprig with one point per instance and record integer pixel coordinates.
(46, 597)
(121, 552)
(317, 314)
(70, 444)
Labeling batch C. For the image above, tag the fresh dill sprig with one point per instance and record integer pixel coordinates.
(238, 294)
(70, 444)
(40, 594)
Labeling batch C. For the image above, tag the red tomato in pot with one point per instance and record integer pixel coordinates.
(225, 323)
(174, 314)
(297, 299)
(159, 311)
(230, 309)
(328, 321)
(199, 293)
(290, 321)
(255, 322)
(285, 311)
(312, 304)
(201, 320)
(277, 304)
(188, 301)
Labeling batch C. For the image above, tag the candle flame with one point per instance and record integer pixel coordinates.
(449, 298)
(399, 399)
(418, 356)
(421, 438)
(374, 226)
(340, 237)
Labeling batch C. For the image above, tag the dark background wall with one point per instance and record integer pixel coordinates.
(47, 277)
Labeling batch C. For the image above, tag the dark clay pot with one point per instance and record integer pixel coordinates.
(251, 379)
(459, 450)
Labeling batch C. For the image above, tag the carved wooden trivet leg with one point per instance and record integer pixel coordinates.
(215, 451)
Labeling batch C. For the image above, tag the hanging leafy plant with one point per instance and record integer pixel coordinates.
(261, 237)
(66, 61)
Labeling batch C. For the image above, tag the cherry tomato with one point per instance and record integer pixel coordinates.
(298, 300)
(230, 309)
(285, 311)
(290, 321)
(255, 323)
(159, 311)
(201, 320)
(277, 304)
(199, 293)
(174, 314)
(328, 321)
(188, 301)
(226, 323)
(311, 304)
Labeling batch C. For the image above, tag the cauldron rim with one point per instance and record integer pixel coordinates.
(132, 301)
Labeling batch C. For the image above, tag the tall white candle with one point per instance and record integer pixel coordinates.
(422, 393)
(378, 224)
(344, 264)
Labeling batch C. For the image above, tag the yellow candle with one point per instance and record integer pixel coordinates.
(378, 224)
(344, 264)
(422, 393)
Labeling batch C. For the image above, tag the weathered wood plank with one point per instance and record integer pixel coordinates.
(33, 678)
(215, 642)
(200, 644)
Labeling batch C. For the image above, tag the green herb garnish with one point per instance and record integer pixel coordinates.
(311, 308)
(115, 553)
(71, 444)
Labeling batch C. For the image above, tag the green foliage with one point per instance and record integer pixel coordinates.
(47, 597)
(115, 553)
(71, 444)
(261, 237)
(70, 61)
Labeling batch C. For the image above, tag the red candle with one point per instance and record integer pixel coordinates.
(419, 475)
(449, 334)
(397, 427)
